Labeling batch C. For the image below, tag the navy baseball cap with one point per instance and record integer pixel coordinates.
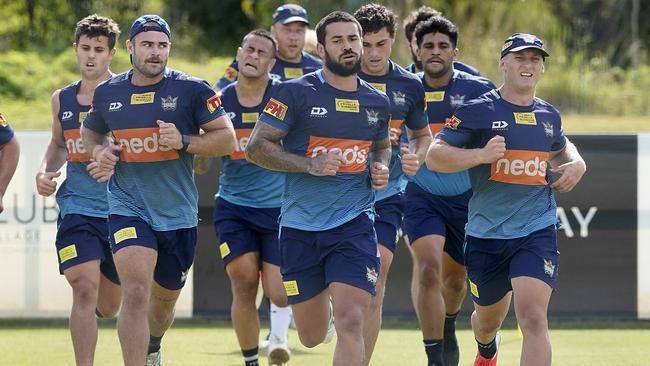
(289, 13)
(139, 26)
(522, 41)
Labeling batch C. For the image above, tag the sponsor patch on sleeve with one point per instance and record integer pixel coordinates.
(291, 287)
(276, 109)
(68, 253)
(452, 122)
(3, 120)
(230, 74)
(124, 234)
(213, 103)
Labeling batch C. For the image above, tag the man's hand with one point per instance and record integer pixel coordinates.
(493, 150)
(96, 173)
(326, 164)
(169, 135)
(107, 156)
(410, 162)
(45, 183)
(571, 173)
(379, 174)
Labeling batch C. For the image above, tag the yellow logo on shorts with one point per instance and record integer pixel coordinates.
(292, 72)
(224, 249)
(68, 253)
(379, 86)
(473, 289)
(347, 105)
(291, 287)
(124, 234)
(527, 118)
(143, 98)
(437, 96)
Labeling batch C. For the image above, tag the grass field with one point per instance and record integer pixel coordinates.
(195, 344)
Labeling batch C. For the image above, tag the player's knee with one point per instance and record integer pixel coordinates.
(533, 322)
(349, 320)
(108, 309)
(279, 298)
(244, 287)
(310, 339)
(84, 291)
(136, 294)
(486, 324)
(455, 284)
(429, 275)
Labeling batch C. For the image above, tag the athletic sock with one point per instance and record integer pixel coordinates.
(487, 351)
(154, 344)
(250, 357)
(433, 349)
(450, 323)
(280, 321)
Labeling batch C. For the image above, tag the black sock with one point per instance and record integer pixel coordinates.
(450, 323)
(250, 356)
(154, 344)
(433, 348)
(487, 350)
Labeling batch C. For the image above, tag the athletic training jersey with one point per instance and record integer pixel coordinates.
(152, 181)
(281, 71)
(320, 119)
(79, 193)
(406, 107)
(6, 133)
(241, 182)
(441, 104)
(457, 66)
(512, 196)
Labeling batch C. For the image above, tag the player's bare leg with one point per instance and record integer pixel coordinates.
(454, 290)
(161, 316)
(531, 307)
(278, 350)
(243, 272)
(109, 297)
(372, 323)
(486, 322)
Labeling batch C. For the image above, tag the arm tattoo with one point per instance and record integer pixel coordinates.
(264, 149)
(380, 151)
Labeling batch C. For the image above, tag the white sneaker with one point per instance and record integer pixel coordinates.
(278, 352)
(330, 327)
(154, 359)
(263, 347)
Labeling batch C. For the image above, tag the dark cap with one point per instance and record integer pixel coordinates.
(522, 41)
(139, 26)
(289, 13)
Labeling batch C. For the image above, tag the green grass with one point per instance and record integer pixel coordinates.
(215, 344)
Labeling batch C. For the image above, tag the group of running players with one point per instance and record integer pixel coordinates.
(326, 162)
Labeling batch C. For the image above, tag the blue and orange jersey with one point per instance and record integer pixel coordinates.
(512, 197)
(441, 104)
(153, 181)
(79, 193)
(6, 133)
(406, 96)
(320, 119)
(241, 182)
(281, 71)
(460, 66)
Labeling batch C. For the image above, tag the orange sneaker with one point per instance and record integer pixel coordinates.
(482, 361)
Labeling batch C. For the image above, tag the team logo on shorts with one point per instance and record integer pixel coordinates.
(399, 98)
(68, 253)
(276, 109)
(549, 268)
(456, 100)
(184, 275)
(169, 103)
(548, 129)
(213, 103)
(371, 275)
(373, 117)
(291, 287)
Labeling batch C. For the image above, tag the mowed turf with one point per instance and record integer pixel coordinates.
(216, 345)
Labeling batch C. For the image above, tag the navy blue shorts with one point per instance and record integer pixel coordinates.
(311, 260)
(492, 263)
(390, 213)
(175, 247)
(243, 229)
(80, 239)
(428, 214)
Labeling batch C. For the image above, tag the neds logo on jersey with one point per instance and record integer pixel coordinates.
(242, 135)
(354, 152)
(521, 167)
(75, 147)
(142, 145)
